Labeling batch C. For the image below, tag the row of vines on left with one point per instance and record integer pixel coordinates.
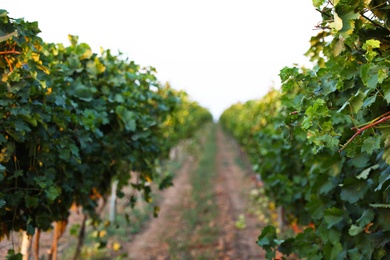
(71, 122)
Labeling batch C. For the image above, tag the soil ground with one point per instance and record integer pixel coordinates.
(232, 187)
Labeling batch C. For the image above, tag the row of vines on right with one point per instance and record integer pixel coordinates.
(321, 143)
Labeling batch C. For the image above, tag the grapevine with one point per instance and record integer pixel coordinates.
(321, 155)
(72, 122)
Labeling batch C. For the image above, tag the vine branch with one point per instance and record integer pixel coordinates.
(9, 52)
(6, 59)
(374, 22)
(322, 12)
(9, 64)
(360, 130)
(379, 117)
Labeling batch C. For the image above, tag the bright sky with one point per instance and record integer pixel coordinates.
(219, 51)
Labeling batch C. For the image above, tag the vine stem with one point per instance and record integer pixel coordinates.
(9, 52)
(360, 130)
(9, 64)
(373, 22)
(379, 117)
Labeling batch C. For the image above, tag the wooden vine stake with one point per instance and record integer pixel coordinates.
(26, 245)
(80, 238)
(112, 214)
(59, 230)
(36, 243)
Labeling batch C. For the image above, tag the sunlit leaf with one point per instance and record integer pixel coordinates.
(355, 230)
(337, 24)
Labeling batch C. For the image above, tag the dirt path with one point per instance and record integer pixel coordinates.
(232, 187)
(153, 242)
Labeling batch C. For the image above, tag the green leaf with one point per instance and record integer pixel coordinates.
(371, 44)
(3, 14)
(74, 229)
(2, 203)
(333, 250)
(127, 117)
(141, 135)
(374, 74)
(383, 217)
(12, 256)
(21, 126)
(306, 123)
(386, 138)
(329, 141)
(357, 101)
(64, 155)
(317, 3)
(355, 230)
(359, 161)
(267, 237)
(16, 174)
(369, 101)
(354, 189)
(287, 73)
(327, 186)
(354, 254)
(337, 23)
(387, 206)
(2, 139)
(15, 199)
(316, 207)
(119, 98)
(52, 193)
(318, 108)
(333, 216)
(2, 170)
(328, 235)
(95, 67)
(383, 177)
(86, 55)
(348, 23)
(338, 47)
(74, 64)
(382, 74)
(364, 174)
(30, 229)
(8, 36)
(386, 90)
(156, 210)
(31, 202)
(367, 216)
(83, 92)
(268, 241)
(31, 120)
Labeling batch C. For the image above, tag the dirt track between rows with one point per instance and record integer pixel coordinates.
(232, 186)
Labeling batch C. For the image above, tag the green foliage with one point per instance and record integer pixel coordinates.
(321, 144)
(12, 256)
(71, 121)
(186, 118)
